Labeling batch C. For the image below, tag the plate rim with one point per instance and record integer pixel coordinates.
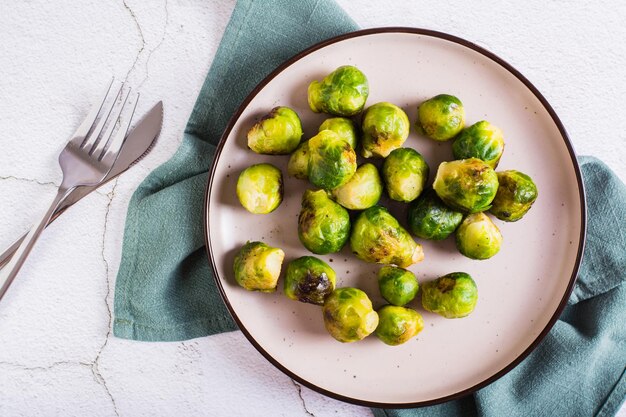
(488, 54)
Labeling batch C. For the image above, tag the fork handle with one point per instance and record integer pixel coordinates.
(9, 272)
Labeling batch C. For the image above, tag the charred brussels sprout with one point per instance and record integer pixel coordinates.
(343, 92)
(260, 188)
(332, 161)
(378, 237)
(348, 315)
(277, 133)
(397, 325)
(362, 191)
(298, 165)
(451, 296)
(257, 266)
(430, 218)
(405, 173)
(385, 127)
(397, 285)
(343, 127)
(323, 225)
(467, 185)
(309, 279)
(516, 194)
(441, 117)
(478, 237)
(481, 140)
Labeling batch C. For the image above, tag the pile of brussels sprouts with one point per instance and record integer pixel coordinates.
(462, 191)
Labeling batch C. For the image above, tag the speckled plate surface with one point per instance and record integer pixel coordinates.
(522, 289)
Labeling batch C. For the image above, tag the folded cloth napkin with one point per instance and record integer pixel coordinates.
(165, 290)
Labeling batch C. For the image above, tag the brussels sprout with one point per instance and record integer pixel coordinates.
(516, 194)
(362, 191)
(343, 92)
(481, 140)
(397, 325)
(298, 165)
(277, 133)
(405, 173)
(257, 266)
(343, 127)
(398, 286)
(323, 225)
(451, 296)
(378, 237)
(441, 117)
(477, 237)
(467, 185)
(348, 315)
(332, 161)
(260, 188)
(430, 218)
(309, 279)
(385, 127)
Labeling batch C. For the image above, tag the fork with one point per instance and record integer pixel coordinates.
(85, 161)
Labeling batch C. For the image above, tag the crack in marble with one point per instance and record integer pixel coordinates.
(43, 368)
(14, 178)
(143, 39)
(299, 387)
(158, 45)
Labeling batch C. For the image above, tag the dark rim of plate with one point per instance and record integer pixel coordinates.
(496, 59)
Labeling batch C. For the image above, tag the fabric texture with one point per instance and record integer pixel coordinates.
(165, 290)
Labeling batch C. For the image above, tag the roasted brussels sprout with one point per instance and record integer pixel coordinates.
(481, 140)
(478, 237)
(430, 218)
(257, 266)
(397, 325)
(277, 133)
(323, 225)
(260, 188)
(309, 279)
(441, 117)
(405, 173)
(332, 161)
(467, 185)
(343, 127)
(343, 92)
(348, 315)
(298, 165)
(385, 127)
(516, 194)
(397, 285)
(451, 296)
(378, 237)
(362, 191)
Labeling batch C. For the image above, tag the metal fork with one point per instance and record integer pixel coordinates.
(85, 161)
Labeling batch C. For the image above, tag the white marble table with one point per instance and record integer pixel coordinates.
(57, 354)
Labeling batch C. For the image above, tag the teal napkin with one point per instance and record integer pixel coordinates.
(165, 290)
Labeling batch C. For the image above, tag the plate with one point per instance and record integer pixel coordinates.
(522, 290)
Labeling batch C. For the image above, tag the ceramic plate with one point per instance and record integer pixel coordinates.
(522, 289)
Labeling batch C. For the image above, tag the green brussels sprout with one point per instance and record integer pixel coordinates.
(478, 237)
(397, 325)
(516, 194)
(343, 92)
(332, 161)
(405, 173)
(397, 285)
(378, 237)
(385, 127)
(298, 165)
(430, 218)
(277, 133)
(481, 140)
(441, 117)
(362, 191)
(260, 188)
(348, 315)
(309, 279)
(451, 296)
(467, 185)
(257, 266)
(343, 127)
(323, 225)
